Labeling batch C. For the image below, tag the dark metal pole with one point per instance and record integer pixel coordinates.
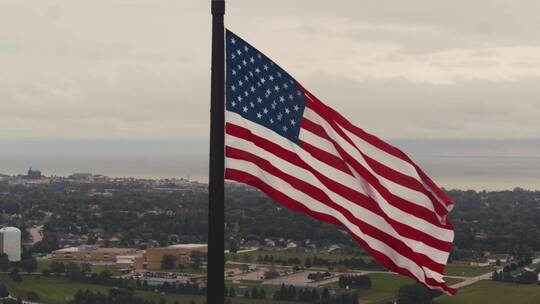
(216, 211)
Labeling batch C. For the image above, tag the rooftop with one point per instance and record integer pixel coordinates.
(188, 246)
(10, 229)
(68, 249)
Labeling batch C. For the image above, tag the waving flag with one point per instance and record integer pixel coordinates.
(306, 156)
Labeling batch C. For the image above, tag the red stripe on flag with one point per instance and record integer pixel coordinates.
(380, 144)
(322, 197)
(293, 205)
(392, 199)
(348, 193)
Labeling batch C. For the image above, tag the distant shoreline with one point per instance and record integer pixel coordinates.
(448, 185)
(453, 164)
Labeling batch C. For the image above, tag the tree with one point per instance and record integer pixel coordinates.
(86, 268)
(413, 294)
(73, 271)
(314, 295)
(32, 296)
(78, 297)
(105, 276)
(15, 276)
(3, 291)
(244, 268)
(354, 298)
(308, 263)
(291, 293)
(355, 281)
(196, 259)
(527, 277)
(233, 246)
(281, 294)
(168, 262)
(325, 294)
(254, 293)
(4, 262)
(29, 264)
(57, 267)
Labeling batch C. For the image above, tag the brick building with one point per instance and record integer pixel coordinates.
(152, 258)
(88, 253)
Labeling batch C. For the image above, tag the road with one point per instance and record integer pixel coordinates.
(472, 280)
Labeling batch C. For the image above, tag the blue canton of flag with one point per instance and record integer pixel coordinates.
(262, 92)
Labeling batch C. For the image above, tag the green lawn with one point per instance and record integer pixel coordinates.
(494, 293)
(44, 264)
(467, 271)
(190, 270)
(285, 255)
(50, 290)
(54, 290)
(384, 287)
(248, 285)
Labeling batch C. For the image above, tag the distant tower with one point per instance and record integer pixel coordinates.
(33, 174)
(10, 243)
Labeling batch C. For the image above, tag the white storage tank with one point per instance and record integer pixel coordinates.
(10, 243)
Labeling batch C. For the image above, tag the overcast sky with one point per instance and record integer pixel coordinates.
(134, 69)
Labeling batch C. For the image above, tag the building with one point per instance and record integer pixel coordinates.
(81, 177)
(33, 174)
(127, 261)
(90, 254)
(480, 262)
(152, 258)
(503, 258)
(10, 243)
(4, 186)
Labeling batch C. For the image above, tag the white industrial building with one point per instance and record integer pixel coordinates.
(10, 243)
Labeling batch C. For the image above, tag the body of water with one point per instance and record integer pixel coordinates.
(478, 165)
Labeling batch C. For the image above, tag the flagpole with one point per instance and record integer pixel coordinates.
(216, 211)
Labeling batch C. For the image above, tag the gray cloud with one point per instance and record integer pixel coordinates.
(395, 108)
(137, 69)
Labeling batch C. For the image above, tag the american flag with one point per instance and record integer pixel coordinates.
(284, 141)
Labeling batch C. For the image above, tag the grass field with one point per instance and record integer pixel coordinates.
(494, 293)
(44, 264)
(466, 271)
(384, 287)
(285, 255)
(53, 290)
